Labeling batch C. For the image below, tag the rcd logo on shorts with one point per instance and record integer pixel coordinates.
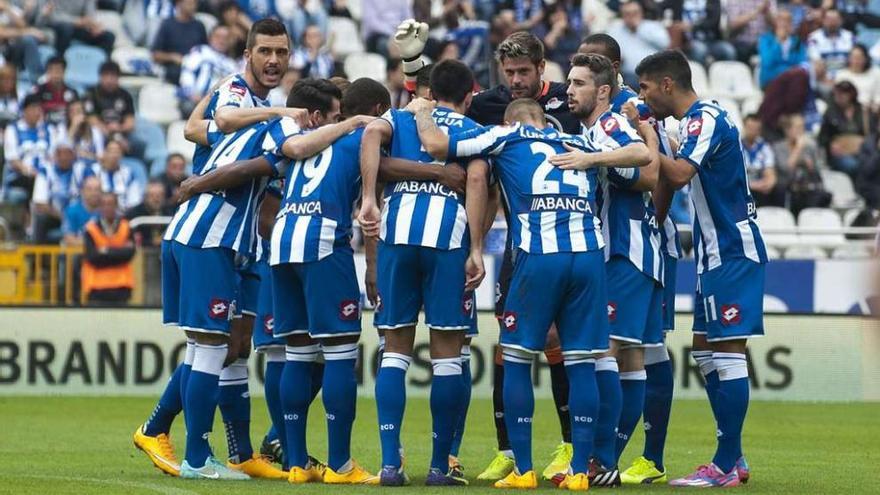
(268, 324)
(509, 321)
(611, 307)
(467, 304)
(348, 310)
(219, 309)
(730, 314)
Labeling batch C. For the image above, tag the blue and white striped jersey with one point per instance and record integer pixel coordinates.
(273, 188)
(317, 202)
(759, 157)
(551, 210)
(226, 218)
(670, 242)
(232, 93)
(202, 68)
(423, 213)
(724, 210)
(628, 221)
(32, 146)
(123, 183)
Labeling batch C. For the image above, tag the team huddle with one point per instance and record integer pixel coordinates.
(259, 255)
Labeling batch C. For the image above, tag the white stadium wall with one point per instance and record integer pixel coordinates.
(128, 352)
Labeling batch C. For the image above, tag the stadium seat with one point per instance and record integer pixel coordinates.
(83, 62)
(344, 38)
(752, 104)
(820, 218)
(154, 137)
(843, 195)
(207, 20)
(365, 65)
(112, 21)
(732, 108)
(773, 253)
(355, 9)
(157, 102)
(805, 253)
(851, 252)
(553, 72)
(699, 78)
(134, 60)
(175, 141)
(732, 79)
(849, 216)
(772, 217)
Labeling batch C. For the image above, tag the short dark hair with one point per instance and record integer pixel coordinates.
(610, 46)
(423, 76)
(521, 44)
(524, 106)
(362, 97)
(109, 67)
(340, 82)
(752, 116)
(313, 94)
(667, 63)
(599, 65)
(174, 155)
(31, 99)
(266, 27)
(451, 81)
(56, 60)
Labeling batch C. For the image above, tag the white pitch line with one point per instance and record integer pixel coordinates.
(165, 490)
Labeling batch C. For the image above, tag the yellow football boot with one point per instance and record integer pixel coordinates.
(515, 480)
(159, 450)
(560, 461)
(308, 474)
(575, 482)
(258, 467)
(356, 475)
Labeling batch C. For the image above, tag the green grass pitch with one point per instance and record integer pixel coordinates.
(83, 446)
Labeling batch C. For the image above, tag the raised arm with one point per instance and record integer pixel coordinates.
(649, 173)
(196, 128)
(635, 154)
(230, 119)
(225, 177)
(435, 142)
(305, 145)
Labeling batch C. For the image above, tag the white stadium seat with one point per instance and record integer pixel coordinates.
(843, 195)
(851, 252)
(821, 218)
(553, 72)
(134, 60)
(345, 38)
(112, 21)
(805, 253)
(773, 217)
(849, 216)
(752, 104)
(699, 78)
(157, 102)
(773, 253)
(732, 79)
(207, 20)
(365, 65)
(732, 108)
(83, 62)
(176, 143)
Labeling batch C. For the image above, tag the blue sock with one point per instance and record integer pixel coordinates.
(168, 407)
(519, 405)
(185, 371)
(583, 406)
(632, 385)
(466, 384)
(201, 401)
(235, 407)
(272, 389)
(446, 394)
(658, 404)
(610, 404)
(732, 402)
(317, 379)
(390, 404)
(296, 388)
(340, 401)
(710, 376)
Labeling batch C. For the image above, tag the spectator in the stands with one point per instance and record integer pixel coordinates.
(299, 15)
(784, 73)
(857, 12)
(395, 79)
(845, 126)
(867, 179)
(19, 42)
(174, 174)
(9, 107)
(74, 20)
(798, 158)
(155, 204)
(54, 188)
(746, 21)
(86, 138)
(111, 108)
(204, 66)
(150, 18)
(761, 165)
(26, 145)
(176, 37)
(80, 211)
(312, 58)
(829, 46)
(863, 75)
(54, 94)
(780, 50)
(701, 24)
(117, 177)
(238, 24)
(560, 37)
(639, 36)
(107, 273)
(379, 21)
(278, 95)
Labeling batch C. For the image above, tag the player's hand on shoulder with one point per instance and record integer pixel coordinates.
(299, 115)
(411, 37)
(358, 121)
(454, 177)
(420, 105)
(631, 113)
(574, 159)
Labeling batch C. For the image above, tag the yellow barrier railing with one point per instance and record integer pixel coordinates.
(38, 274)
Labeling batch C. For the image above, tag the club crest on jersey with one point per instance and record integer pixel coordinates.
(609, 125)
(611, 307)
(553, 103)
(268, 324)
(730, 314)
(348, 310)
(467, 304)
(219, 309)
(695, 126)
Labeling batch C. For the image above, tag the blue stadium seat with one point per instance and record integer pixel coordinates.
(83, 62)
(156, 151)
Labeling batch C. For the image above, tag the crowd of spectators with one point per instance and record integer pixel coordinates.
(64, 145)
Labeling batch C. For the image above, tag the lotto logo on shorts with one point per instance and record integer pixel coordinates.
(268, 324)
(219, 309)
(612, 311)
(509, 321)
(348, 310)
(730, 314)
(378, 302)
(467, 305)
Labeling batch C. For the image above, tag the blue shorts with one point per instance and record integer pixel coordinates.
(733, 299)
(470, 304)
(199, 287)
(410, 277)
(321, 298)
(264, 322)
(669, 278)
(568, 289)
(699, 326)
(635, 304)
(249, 290)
